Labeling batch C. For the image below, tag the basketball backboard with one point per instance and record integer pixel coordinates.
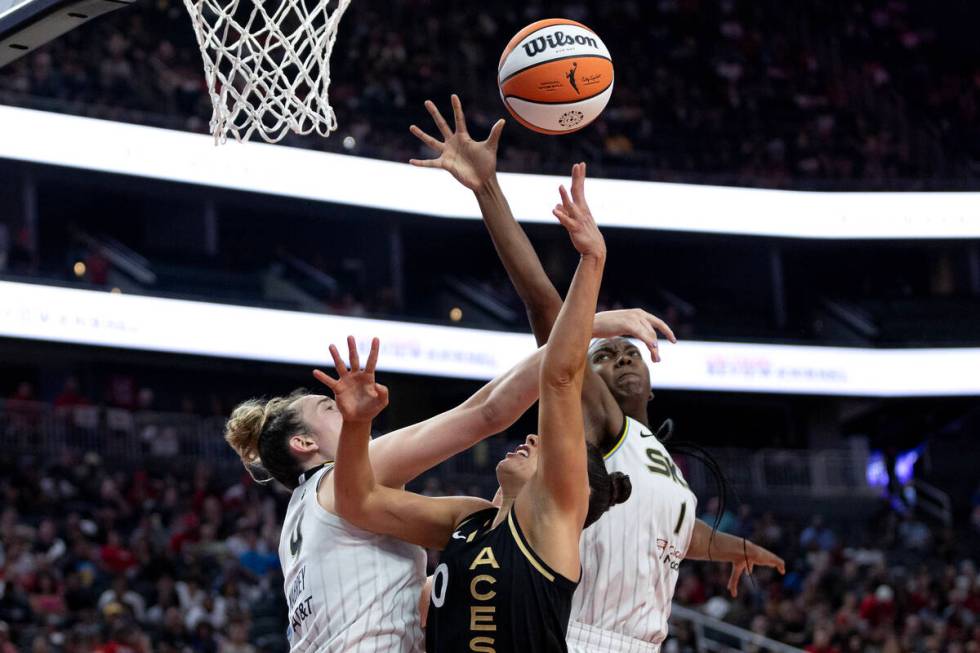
(28, 24)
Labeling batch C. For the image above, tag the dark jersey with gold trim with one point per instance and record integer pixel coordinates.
(492, 594)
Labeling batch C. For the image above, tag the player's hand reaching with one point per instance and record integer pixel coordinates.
(574, 215)
(754, 555)
(636, 323)
(472, 163)
(358, 397)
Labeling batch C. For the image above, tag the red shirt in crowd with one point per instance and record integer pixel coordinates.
(117, 559)
(876, 612)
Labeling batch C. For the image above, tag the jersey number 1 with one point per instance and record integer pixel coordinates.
(680, 519)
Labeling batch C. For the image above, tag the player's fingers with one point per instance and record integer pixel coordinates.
(662, 327)
(355, 361)
(425, 138)
(458, 114)
(565, 199)
(567, 221)
(781, 566)
(325, 379)
(578, 182)
(498, 128)
(425, 163)
(438, 119)
(650, 331)
(578, 187)
(642, 331)
(733, 580)
(373, 356)
(382, 392)
(338, 362)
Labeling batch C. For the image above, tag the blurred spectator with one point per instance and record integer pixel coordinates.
(257, 558)
(5, 644)
(726, 522)
(22, 409)
(878, 607)
(817, 536)
(47, 596)
(237, 640)
(121, 391)
(71, 395)
(116, 558)
(120, 594)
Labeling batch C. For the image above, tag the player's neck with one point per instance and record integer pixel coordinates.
(637, 409)
(505, 506)
(316, 460)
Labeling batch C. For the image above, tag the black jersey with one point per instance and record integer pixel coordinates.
(492, 594)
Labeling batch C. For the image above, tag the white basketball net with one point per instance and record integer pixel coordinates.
(267, 64)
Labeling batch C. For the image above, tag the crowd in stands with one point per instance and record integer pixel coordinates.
(94, 559)
(901, 586)
(133, 559)
(873, 92)
(167, 545)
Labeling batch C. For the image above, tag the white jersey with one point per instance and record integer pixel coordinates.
(631, 555)
(347, 590)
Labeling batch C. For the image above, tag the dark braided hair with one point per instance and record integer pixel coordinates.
(607, 489)
(665, 434)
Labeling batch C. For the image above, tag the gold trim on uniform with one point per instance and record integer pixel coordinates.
(622, 438)
(524, 548)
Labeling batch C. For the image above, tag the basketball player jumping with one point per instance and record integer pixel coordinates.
(349, 590)
(630, 560)
(507, 572)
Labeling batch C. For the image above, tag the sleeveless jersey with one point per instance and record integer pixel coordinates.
(631, 555)
(347, 590)
(492, 594)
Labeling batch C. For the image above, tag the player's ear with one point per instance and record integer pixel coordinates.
(302, 443)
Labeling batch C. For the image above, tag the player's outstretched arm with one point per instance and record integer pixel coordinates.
(402, 455)
(357, 496)
(474, 164)
(559, 490)
(708, 544)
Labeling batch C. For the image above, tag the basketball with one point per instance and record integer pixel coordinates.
(555, 76)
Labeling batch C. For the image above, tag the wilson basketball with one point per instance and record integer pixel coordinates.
(555, 76)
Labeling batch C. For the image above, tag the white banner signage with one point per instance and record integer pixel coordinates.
(113, 147)
(85, 317)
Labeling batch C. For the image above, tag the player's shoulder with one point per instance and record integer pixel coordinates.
(632, 433)
(472, 526)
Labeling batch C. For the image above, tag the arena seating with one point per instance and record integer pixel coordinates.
(113, 553)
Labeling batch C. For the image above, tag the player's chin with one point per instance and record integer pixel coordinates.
(630, 389)
(512, 463)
